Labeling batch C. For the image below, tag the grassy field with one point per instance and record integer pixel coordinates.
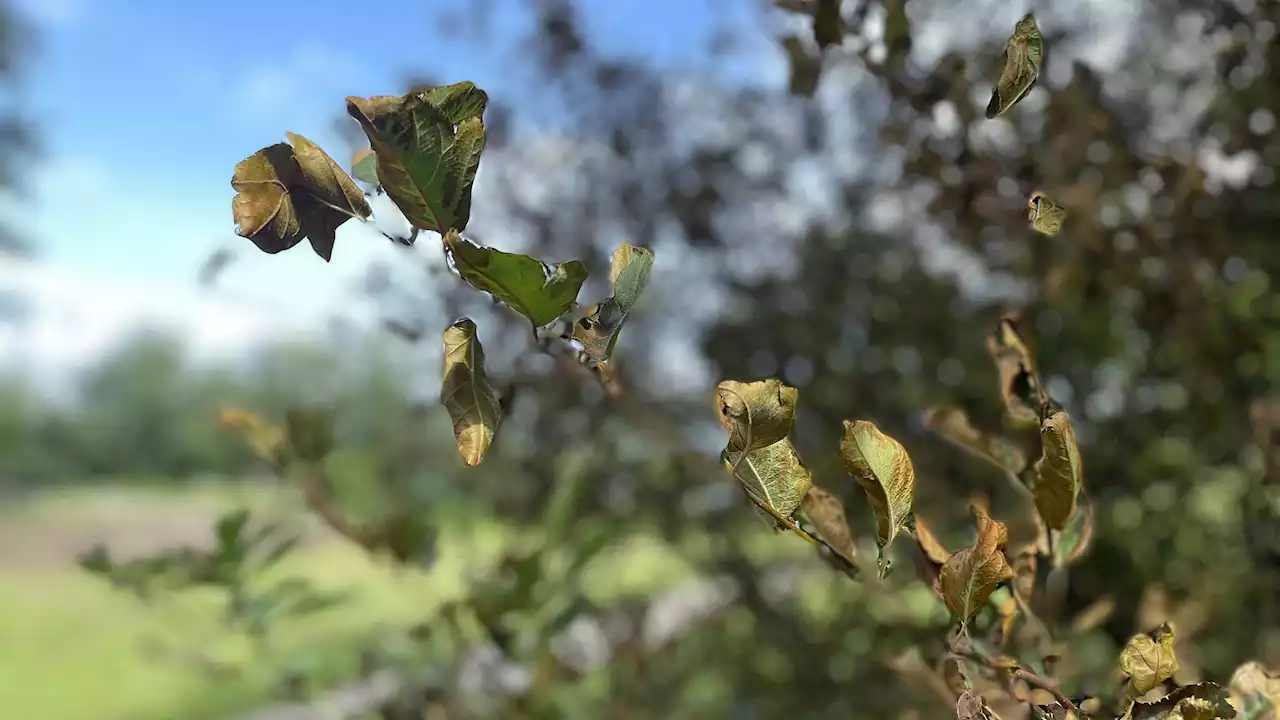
(71, 647)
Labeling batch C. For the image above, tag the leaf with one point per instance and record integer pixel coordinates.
(929, 543)
(467, 394)
(953, 425)
(1022, 55)
(598, 331)
(310, 433)
(806, 66)
(1255, 691)
(1202, 701)
(428, 145)
(520, 282)
(266, 441)
(364, 166)
(882, 467)
(1074, 540)
(1148, 659)
(278, 201)
(1058, 471)
(1018, 380)
(756, 414)
(828, 23)
(773, 476)
(1046, 217)
(970, 576)
(971, 706)
(826, 512)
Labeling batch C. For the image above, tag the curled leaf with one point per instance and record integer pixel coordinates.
(1202, 701)
(1148, 659)
(1022, 56)
(1046, 217)
(466, 392)
(756, 414)
(520, 282)
(1074, 540)
(1058, 471)
(953, 425)
(773, 476)
(285, 194)
(1255, 691)
(929, 543)
(883, 468)
(826, 512)
(598, 330)
(428, 145)
(1019, 384)
(310, 432)
(970, 576)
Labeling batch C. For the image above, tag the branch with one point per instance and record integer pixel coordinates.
(1021, 673)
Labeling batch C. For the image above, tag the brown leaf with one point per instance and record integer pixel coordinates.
(1148, 659)
(953, 425)
(1019, 384)
(756, 414)
(971, 706)
(972, 574)
(826, 512)
(1058, 472)
(929, 543)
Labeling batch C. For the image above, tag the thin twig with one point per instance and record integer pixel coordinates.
(1020, 673)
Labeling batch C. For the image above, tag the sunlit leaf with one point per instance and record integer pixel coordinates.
(1046, 217)
(1202, 701)
(520, 282)
(598, 330)
(1019, 384)
(1058, 471)
(364, 166)
(970, 576)
(1073, 541)
(466, 392)
(826, 512)
(1022, 56)
(283, 197)
(1255, 691)
(773, 476)
(756, 414)
(310, 432)
(930, 544)
(953, 424)
(428, 145)
(1148, 659)
(883, 468)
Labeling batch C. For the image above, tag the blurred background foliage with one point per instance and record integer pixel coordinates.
(859, 243)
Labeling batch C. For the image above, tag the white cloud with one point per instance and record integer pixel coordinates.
(309, 71)
(53, 12)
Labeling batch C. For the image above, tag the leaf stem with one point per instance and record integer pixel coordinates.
(335, 208)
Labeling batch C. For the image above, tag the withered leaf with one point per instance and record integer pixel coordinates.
(883, 468)
(953, 425)
(1255, 691)
(1044, 215)
(1058, 471)
(265, 440)
(598, 330)
(1202, 701)
(773, 476)
(428, 145)
(971, 706)
(970, 576)
(1019, 384)
(1073, 541)
(756, 414)
(826, 512)
(1022, 56)
(520, 282)
(278, 202)
(467, 394)
(929, 543)
(1148, 659)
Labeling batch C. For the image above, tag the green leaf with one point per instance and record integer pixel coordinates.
(883, 468)
(520, 282)
(953, 425)
(1058, 471)
(1046, 217)
(1073, 541)
(1255, 691)
(969, 576)
(1202, 701)
(598, 330)
(364, 166)
(1022, 55)
(428, 145)
(467, 394)
(285, 194)
(773, 476)
(826, 512)
(310, 433)
(1148, 659)
(756, 414)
